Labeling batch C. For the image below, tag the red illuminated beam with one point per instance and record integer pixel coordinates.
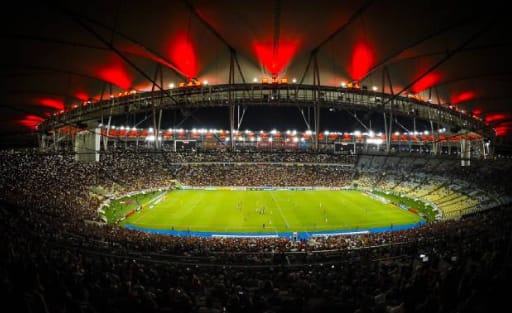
(462, 97)
(497, 117)
(503, 128)
(427, 81)
(137, 49)
(44, 98)
(116, 74)
(57, 70)
(81, 96)
(107, 43)
(362, 60)
(400, 56)
(448, 56)
(352, 18)
(183, 54)
(155, 56)
(501, 122)
(395, 55)
(141, 51)
(208, 26)
(30, 121)
(275, 61)
(56, 104)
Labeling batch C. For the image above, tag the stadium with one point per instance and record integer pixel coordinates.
(195, 156)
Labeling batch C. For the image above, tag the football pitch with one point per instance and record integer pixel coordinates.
(262, 211)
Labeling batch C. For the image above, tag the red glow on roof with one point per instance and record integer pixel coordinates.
(503, 129)
(426, 82)
(146, 86)
(81, 96)
(462, 97)
(501, 121)
(56, 104)
(477, 111)
(116, 73)
(183, 54)
(116, 76)
(495, 117)
(362, 60)
(142, 52)
(275, 61)
(30, 121)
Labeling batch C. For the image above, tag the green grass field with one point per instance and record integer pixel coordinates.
(259, 211)
(420, 206)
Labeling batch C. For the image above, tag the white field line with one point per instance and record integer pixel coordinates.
(280, 211)
(154, 200)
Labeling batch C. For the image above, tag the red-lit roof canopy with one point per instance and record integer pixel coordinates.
(58, 55)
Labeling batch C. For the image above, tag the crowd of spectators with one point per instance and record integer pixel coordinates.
(56, 258)
(264, 175)
(263, 157)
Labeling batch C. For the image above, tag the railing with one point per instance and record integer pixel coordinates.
(268, 95)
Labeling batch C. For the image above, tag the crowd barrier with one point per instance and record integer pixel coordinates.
(301, 235)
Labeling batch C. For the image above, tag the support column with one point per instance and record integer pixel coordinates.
(465, 151)
(483, 150)
(87, 143)
(159, 127)
(316, 101)
(231, 104)
(43, 138)
(389, 126)
(491, 147)
(106, 137)
(390, 130)
(55, 148)
(156, 125)
(435, 143)
(386, 132)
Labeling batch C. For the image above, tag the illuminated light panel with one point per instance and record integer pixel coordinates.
(30, 121)
(274, 64)
(462, 97)
(426, 82)
(56, 104)
(183, 55)
(477, 111)
(362, 60)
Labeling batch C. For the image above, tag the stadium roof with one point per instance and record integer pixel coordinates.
(57, 53)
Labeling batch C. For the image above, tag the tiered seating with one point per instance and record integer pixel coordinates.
(452, 189)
